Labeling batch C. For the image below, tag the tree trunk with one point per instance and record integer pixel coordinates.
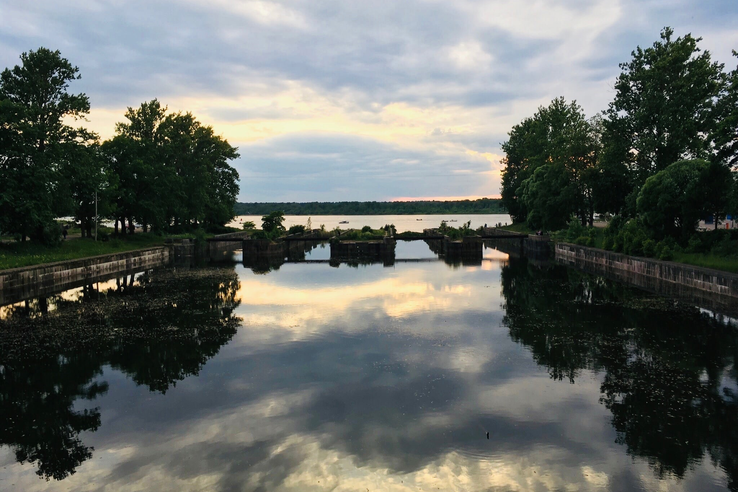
(116, 226)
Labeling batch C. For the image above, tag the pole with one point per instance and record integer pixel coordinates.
(95, 215)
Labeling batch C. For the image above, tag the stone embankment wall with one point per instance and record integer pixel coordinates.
(38, 281)
(708, 288)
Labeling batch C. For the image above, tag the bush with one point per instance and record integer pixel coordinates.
(649, 248)
(49, 234)
(296, 229)
(199, 236)
(666, 254)
(249, 225)
(366, 229)
(575, 231)
(694, 245)
(607, 243)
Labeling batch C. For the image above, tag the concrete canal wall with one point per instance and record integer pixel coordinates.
(713, 289)
(40, 280)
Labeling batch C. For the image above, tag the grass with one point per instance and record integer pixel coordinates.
(521, 228)
(725, 263)
(18, 254)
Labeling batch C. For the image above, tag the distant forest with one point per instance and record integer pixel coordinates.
(481, 206)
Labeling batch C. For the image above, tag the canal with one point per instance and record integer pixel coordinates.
(506, 375)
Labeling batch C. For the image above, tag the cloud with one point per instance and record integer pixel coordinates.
(434, 78)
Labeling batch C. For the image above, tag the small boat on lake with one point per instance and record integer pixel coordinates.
(344, 222)
(418, 219)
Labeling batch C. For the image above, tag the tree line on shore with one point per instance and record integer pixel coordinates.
(661, 157)
(163, 170)
(419, 207)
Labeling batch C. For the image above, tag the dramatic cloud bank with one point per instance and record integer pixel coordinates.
(344, 100)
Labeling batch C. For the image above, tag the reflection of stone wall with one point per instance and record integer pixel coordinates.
(712, 289)
(22, 283)
(383, 251)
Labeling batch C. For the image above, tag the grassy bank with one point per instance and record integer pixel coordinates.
(18, 254)
(724, 263)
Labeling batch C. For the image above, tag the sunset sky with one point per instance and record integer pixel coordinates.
(355, 100)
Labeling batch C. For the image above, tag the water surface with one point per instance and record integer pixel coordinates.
(415, 223)
(313, 377)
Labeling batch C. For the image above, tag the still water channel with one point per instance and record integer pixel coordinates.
(505, 376)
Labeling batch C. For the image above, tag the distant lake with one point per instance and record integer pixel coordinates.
(402, 222)
(504, 376)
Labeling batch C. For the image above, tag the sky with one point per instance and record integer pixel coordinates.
(354, 100)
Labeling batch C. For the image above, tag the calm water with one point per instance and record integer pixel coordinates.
(318, 378)
(402, 223)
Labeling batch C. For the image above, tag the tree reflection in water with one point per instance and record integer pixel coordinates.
(158, 330)
(667, 368)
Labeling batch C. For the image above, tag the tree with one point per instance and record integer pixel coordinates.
(92, 186)
(550, 165)
(725, 135)
(173, 170)
(37, 144)
(662, 111)
(207, 186)
(273, 222)
(672, 201)
(146, 182)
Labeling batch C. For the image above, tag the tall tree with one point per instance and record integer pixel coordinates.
(37, 143)
(725, 135)
(550, 166)
(172, 170)
(662, 108)
(146, 180)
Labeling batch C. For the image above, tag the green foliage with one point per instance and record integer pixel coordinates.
(365, 234)
(725, 133)
(420, 207)
(296, 229)
(672, 201)
(37, 146)
(456, 233)
(272, 223)
(649, 248)
(550, 162)
(172, 170)
(666, 254)
(575, 230)
(663, 100)
(626, 236)
(248, 225)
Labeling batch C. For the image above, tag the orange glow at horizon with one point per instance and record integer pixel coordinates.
(442, 198)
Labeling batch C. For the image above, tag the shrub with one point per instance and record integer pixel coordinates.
(694, 245)
(296, 229)
(366, 229)
(49, 234)
(607, 243)
(666, 254)
(575, 230)
(581, 240)
(649, 248)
